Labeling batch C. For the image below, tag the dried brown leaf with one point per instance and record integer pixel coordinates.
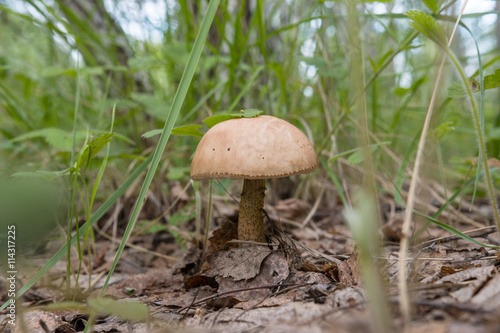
(221, 237)
(291, 208)
(189, 261)
(241, 263)
(349, 271)
(489, 295)
(274, 270)
(475, 277)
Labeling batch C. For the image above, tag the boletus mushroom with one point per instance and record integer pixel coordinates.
(252, 149)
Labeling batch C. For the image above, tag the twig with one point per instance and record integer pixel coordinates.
(450, 238)
(244, 289)
(313, 209)
(445, 306)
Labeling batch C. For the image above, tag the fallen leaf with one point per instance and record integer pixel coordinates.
(175, 300)
(291, 208)
(349, 271)
(222, 302)
(189, 261)
(240, 263)
(489, 295)
(274, 269)
(199, 280)
(475, 277)
(221, 237)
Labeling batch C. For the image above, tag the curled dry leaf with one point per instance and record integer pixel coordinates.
(221, 237)
(189, 261)
(476, 278)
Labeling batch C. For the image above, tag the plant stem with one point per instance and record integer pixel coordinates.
(482, 147)
(250, 220)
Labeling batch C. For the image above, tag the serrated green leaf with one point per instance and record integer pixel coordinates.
(493, 80)
(48, 175)
(382, 59)
(68, 305)
(191, 130)
(428, 26)
(56, 137)
(152, 133)
(125, 310)
(183, 215)
(148, 227)
(456, 90)
(356, 158)
(443, 129)
(214, 120)
(92, 148)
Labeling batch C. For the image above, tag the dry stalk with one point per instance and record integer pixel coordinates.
(404, 297)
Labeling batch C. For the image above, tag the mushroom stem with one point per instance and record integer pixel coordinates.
(250, 220)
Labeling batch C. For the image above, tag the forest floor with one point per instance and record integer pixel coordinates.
(306, 280)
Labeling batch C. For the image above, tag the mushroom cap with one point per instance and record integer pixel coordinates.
(253, 148)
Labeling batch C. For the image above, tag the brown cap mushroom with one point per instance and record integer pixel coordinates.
(252, 149)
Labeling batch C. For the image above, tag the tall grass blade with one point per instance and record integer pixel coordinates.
(179, 97)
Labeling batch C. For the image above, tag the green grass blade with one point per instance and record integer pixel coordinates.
(454, 231)
(73, 183)
(179, 97)
(335, 181)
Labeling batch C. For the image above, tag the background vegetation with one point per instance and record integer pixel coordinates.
(335, 69)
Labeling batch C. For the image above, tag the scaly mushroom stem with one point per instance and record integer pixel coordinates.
(250, 220)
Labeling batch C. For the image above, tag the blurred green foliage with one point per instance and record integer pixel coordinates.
(290, 59)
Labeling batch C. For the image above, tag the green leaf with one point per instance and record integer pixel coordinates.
(493, 80)
(48, 175)
(457, 90)
(382, 59)
(214, 120)
(183, 215)
(177, 173)
(443, 129)
(400, 91)
(148, 227)
(428, 26)
(356, 158)
(65, 306)
(191, 130)
(92, 148)
(433, 5)
(56, 137)
(152, 133)
(125, 310)
(356, 154)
